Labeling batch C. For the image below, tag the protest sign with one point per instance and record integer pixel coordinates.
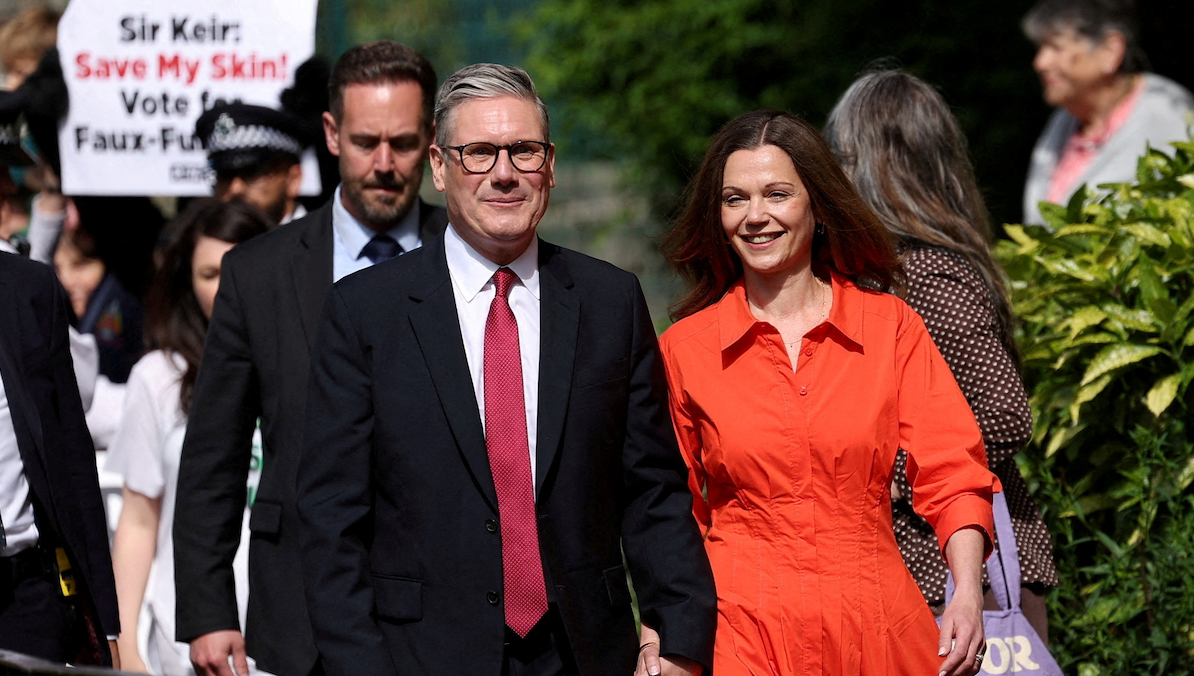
(140, 72)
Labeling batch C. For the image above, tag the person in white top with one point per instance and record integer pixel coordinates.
(148, 441)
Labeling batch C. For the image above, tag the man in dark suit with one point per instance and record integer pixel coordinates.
(257, 356)
(487, 433)
(52, 526)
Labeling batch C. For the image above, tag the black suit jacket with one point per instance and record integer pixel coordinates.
(255, 365)
(47, 415)
(396, 498)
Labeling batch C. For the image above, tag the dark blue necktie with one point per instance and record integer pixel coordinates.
(381, 248)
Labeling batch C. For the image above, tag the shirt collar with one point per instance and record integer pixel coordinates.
(299, 212)
(471, 271)
(735, 320)
(354, 235)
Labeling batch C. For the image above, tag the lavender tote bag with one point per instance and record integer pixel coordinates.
(1013, 646)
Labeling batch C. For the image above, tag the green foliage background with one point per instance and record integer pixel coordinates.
(653, 80)
(1105, 296)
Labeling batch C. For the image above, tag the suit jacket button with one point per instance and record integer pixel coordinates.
(491, 525)
(492, 597)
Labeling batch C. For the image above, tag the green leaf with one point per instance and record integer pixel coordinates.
(1061, 437)
(1189, 339)
(1087, 393)
(1140, 320)
(1113, 357)
(1186, 180)
(1162, 393)
(1084, 318)
(1073, 209)
(1148, 233)
(1068, 266)
(1186, 476)
(1082, 229)
(1094, 339)
(1017, 235)
(1151, 288)
(1054, 215)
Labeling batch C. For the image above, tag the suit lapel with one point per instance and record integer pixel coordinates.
(437, 329)
(312, 269)
(560, 321)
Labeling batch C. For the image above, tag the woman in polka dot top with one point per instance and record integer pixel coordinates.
(902, 147)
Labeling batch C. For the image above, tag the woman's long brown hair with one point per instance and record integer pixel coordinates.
(854, 243)
(173, 319)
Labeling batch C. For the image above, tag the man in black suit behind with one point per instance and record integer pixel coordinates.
(49, 492)
(487, 432)
(256, 361)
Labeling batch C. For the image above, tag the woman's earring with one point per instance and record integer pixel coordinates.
(819, 229)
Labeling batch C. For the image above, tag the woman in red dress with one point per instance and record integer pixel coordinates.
(793, 385)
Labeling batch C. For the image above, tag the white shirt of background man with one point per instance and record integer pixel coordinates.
(16, 509)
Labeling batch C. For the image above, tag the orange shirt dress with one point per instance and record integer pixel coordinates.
(791, 475)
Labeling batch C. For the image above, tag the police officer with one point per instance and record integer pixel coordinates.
(256, 154)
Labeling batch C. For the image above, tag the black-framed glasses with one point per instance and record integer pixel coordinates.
(481, 157)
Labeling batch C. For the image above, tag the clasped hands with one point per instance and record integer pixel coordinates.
(651, 663)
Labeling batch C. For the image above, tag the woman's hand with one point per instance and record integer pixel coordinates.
(962, 638)
(650, 663)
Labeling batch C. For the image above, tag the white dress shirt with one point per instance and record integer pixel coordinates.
(16, 509)
(473, 289)
(350, 237)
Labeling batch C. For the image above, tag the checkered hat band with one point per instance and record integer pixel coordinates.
(254, 136)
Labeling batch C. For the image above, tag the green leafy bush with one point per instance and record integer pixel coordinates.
(1105, 297)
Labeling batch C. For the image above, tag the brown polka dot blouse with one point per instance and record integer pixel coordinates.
(950, 295)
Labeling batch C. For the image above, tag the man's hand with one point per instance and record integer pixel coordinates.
(650, 663)
(210, 653)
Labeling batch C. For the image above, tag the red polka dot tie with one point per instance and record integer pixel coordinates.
(510, 463)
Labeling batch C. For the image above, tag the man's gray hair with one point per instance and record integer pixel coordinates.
(484, 81)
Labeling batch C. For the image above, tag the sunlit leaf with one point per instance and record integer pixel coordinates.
(1140, 320)
(1117, 356)
(1148, 233)
(1085, 318)
(1162, 393)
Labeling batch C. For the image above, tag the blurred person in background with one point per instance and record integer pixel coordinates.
(257, 357)
(148, 441)
(256, 153)
(1092, 70)
(23, 40)
(14, 214)
(101, 304)
(794, 383)
(307, 100)
(900, 144)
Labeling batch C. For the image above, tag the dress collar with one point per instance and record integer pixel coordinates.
(471, 271)
(735, 320)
